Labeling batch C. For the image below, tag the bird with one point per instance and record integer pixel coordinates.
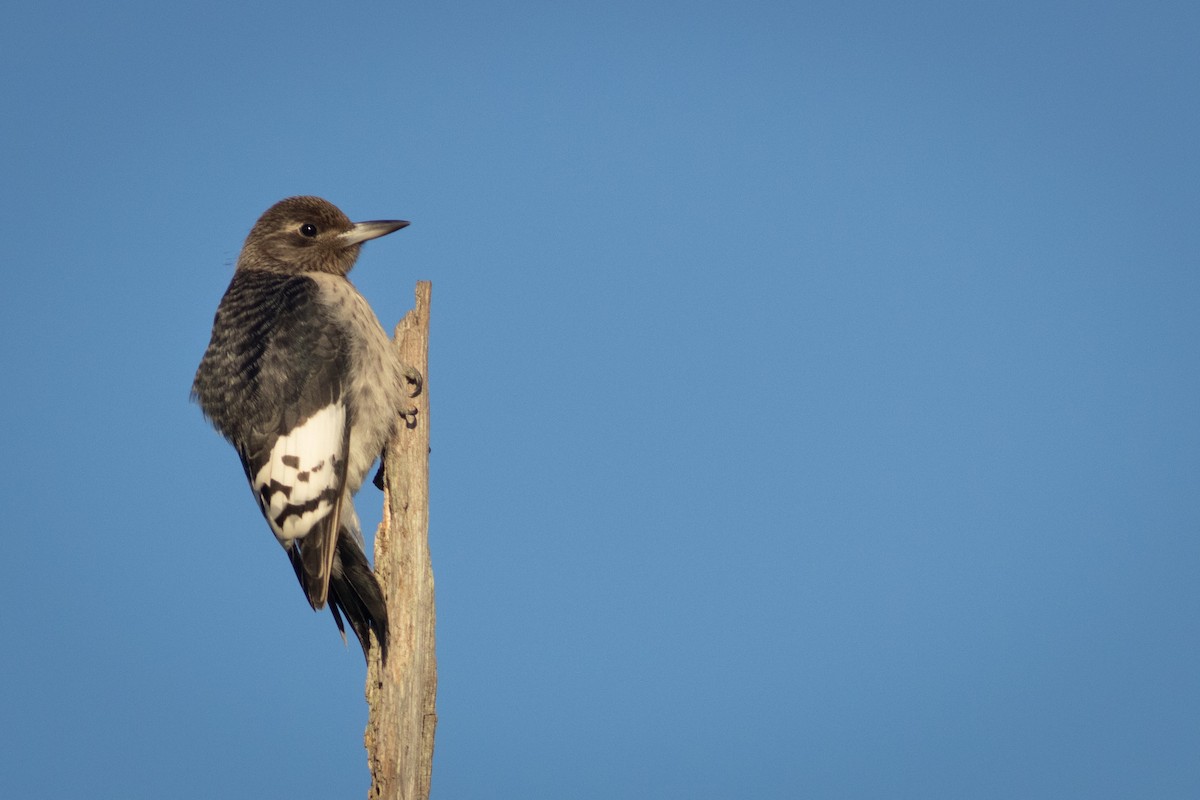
(302, 380)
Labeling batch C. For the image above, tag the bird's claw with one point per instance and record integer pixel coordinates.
(414, 380)
(378, 479)
(414, 384)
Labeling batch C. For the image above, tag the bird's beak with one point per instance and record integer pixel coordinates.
(362, 231)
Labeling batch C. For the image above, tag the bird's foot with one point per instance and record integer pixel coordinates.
(378, 479)
(414, 381)
(414, 384)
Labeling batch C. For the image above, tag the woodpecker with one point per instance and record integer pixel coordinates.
(301, 379)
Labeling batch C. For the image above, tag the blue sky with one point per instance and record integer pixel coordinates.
(815, 394)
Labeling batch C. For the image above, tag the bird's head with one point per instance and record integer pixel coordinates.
(308, 234)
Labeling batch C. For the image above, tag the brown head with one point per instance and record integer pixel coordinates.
(308, 234)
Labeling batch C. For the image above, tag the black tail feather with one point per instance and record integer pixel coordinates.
(354, 593)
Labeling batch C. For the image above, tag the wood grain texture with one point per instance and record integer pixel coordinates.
(402, 695)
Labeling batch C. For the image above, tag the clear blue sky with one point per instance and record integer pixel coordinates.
(816, 394)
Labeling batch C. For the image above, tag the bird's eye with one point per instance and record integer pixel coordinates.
(308, 229)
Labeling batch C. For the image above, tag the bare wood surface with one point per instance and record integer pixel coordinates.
(402, 694)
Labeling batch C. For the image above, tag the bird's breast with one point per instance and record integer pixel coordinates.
(375, 384)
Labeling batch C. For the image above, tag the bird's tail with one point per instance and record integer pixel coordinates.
(354, 592)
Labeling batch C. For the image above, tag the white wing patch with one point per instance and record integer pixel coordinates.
(298, 486)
